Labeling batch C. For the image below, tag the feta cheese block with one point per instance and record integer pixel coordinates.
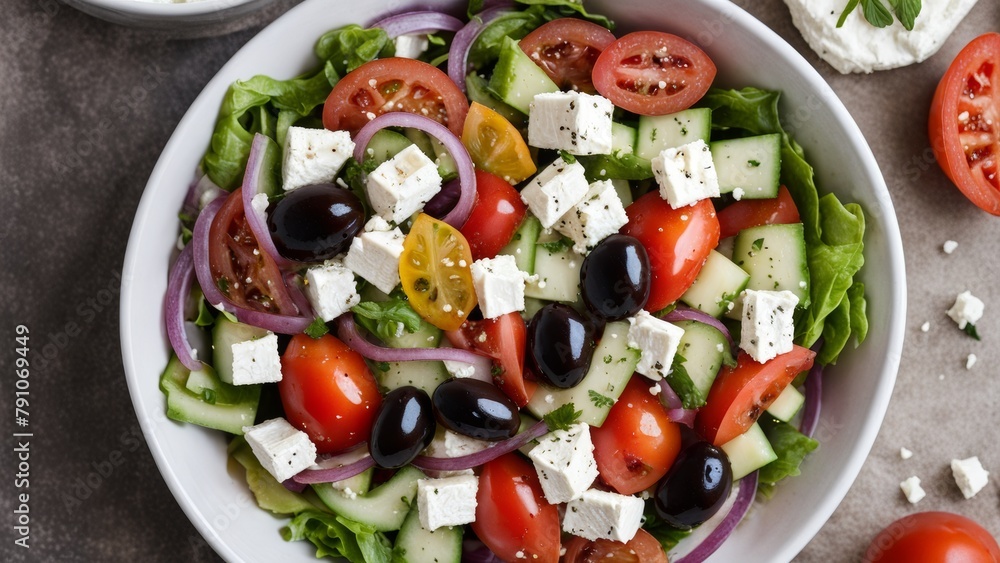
(374, 255)
(499, 285)
(657, 342)
(969, 475)
(603, 515)
(256, 361)
(912, 490)
(686, 174)
(564, 461)
(555, 190)
(598, 215)
(859, 46)
(400, 186)
(331, 289)
(280, 448)
(767, 326)
(450, 501)
(411, 45)
(314, 156)
(574, 122)
(968, 309)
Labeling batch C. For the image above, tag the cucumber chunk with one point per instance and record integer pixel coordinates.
(522, 244)
(752, 164)
(478, 90)
(415, 544)
(717, 286)
(558, 271)
(775, 258)
(215, 405)
(384, 145)
(224, 335)
(704, 350)
(749, 452)
(788, 403)
(666, 131)
(384, 507)
(517, 79)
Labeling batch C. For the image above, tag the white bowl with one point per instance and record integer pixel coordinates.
(193, 460)
(195, 17)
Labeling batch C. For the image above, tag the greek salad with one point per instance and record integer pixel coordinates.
(508, 286)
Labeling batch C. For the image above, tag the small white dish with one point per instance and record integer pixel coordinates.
(194, 17)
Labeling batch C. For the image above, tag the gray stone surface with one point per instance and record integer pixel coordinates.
(86, 108)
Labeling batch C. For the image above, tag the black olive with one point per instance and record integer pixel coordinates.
(615, 278)
(315, 223)
(403, 427)
(560, 345)
(696, 486)
(476, 408)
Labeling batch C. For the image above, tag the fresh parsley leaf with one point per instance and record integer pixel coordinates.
(230, 317)
(753, 163)
(758, 244)
(567, 158)
(679, 380)
(879, 16)
(384, 318)
(208, 395)
(223, 284)
(557, 245)
(970, 329)
(563, 417)
(608, 359)
(906, 11)
(205, 316)
(876, 13)
(382, 366)
(317, 328)
(600, 401)
(435, 39)
(851, 5)
(496, 370)
(667, 535)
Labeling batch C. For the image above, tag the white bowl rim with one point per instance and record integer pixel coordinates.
(167, 10)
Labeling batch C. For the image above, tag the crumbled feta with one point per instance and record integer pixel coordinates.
(411, 46)
(905, 453)
(314, 156)
(331, 289)
(554, 191)
(259, 204)
(374, 255)
(400, 186)
(459, 369)
(452, 444)
(967, 309)
(969, 475)
(738, 193)
(657, 342)
(564, 461)
(911, 488)
(767, 326)
(970, 361)
(499, 285)
(256, 361)
(574, 122)
(949, 246)
(599, 514)
(925, 327)
(686, 174)
(598, 215)
(450, 501)
(281, 449)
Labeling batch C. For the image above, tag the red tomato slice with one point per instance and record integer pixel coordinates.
(653, 73)
(677, 240)
(502, 339)
(497, 214)
(643, 548)
(964, 125)
(933, 537)
(513, 518)
(242, 271)
(394, 84)
(566, 49)
(755, 212)
(637, 443)
(740, 394)
(328, 391)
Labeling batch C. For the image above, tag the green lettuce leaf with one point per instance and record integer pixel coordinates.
(485, 49)
(351, 46)
(383, 318)
(336, 536)
(791, 446)
(269, 493)
(667, 535)
(859, 316)
(571, 8)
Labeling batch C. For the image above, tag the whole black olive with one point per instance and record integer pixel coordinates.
(696, 486)
(615, 278)
(476, 408)
(315, 223)
(403, 427)
(560, 345)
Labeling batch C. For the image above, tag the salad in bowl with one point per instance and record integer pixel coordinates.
(499, 283)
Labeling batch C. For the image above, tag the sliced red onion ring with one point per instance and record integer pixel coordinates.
(202, 188)
(675, 407)
(458, 53)
(537, 430)
(466, 171)
(475, 551)
(251, 187)
(744, 499)
(814, 396)
(298, 297)
(688, 314)
(178, 288)
(419, 22)
(349, 333)
(294, 486)
(334, 474)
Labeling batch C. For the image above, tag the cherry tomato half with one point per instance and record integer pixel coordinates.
(566, 49)
(495, 145)
(933, 537)
(502, 339)
(497, 214)
(755, 212)
(643, 548)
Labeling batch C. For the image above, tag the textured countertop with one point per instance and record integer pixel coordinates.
(87, 107)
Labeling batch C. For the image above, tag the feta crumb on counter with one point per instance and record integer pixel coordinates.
(912, 489)
(949, 246)
(970, 361)
(969, 475)
(967, 309)
(905, 453)
(925, 327)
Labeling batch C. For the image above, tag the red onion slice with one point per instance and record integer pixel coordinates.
(688, 314)
(814, 396)
(178, 288)
(466, 171)
(675, 407)
(458, 53)
(294, 486)
(251, 187)
(744, 499)
(419, 22)
(348, 331)
(498, 449)
(334, 474)
(475, 551)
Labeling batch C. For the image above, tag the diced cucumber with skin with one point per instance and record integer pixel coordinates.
(775, 258)
(717, 286)
(752, 164)
(522, 245)
(517, 79)
(666, 131)
(386, 144)
(787, 405)
(558, 274)
(749, 452)
(416, 544)
(384, 507)
(360, 484)
(610, 369)
(426, 375)
(269, 493)
(224, 335)
(218, 405)
(477, 89)
(622, 138)
(200, 381)
(704, 350)
(624, 191)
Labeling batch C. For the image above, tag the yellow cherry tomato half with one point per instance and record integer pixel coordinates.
(495, 145)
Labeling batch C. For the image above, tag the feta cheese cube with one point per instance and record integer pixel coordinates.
(450, 501)
(314, 156)
(912, 489)
(554, 191)
(256, 361)
(602, 515)
(969, 475)
(331, 289)
(401, 186)
(657, 342)
(564, 461)
(686, 174)
(598, 215)
(574, 122)
(968, 309)
(767, 325)
(411, 46)
(280, 448)
(499, 285)
(374, 255)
